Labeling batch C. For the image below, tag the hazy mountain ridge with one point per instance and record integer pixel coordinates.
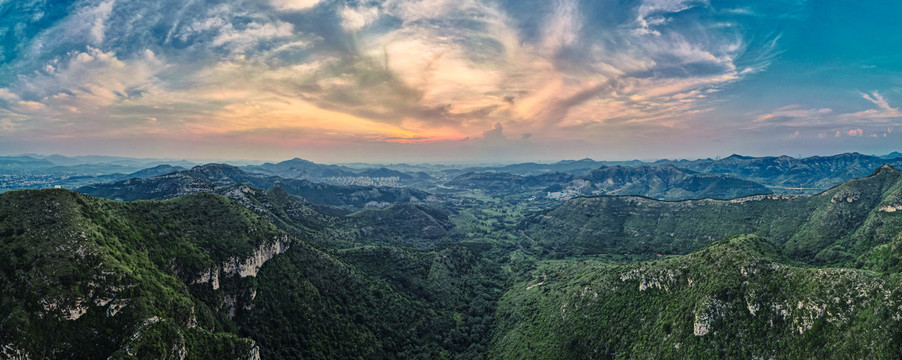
(298, 168)
(207, 178)
(787, 174)
(661, 182)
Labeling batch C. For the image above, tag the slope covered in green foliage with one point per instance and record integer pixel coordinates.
(737, 298)
(244, 272)
(93, 278)
(834, 227)
(202, 276)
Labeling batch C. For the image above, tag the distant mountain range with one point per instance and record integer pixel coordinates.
(573, 167)
(660, 182)
(211, 177)
(787, 174)
(781, 174)
(302, 169)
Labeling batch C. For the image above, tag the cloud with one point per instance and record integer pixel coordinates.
(294, 5)
(496, 133)
(250, 35)
(78, 93)
(562, 27)
(90, 21)
(792, 112)
(821, 119)
(394, 71)
(355, 18)
(883, 110)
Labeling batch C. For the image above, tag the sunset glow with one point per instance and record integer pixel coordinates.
(424, 80)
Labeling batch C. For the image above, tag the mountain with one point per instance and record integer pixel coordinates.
(232, 271)
(502, 182)
(208, 178)
(572, 167)
(837, 227)
(734, 299)
(660, 182)
(669, 183)
(341, 175)
(11, 164)
(421, 226)
(155, 171)
(90, 278)
(161, 187)
(892, 155)
(384, 172)
(201, 277)
(787, 174)
(298, 168)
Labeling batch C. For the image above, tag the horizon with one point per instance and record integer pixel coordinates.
(439, 81)
(243, 162)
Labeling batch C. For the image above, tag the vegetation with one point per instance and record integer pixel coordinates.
(831, 228)
(238, 272)
(737, 298)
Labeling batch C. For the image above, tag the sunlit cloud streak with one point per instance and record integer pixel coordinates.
(422, 73)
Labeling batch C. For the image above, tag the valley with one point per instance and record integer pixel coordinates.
(217, 261)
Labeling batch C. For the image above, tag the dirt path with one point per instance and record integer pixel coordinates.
(544, 278)
(529, 237)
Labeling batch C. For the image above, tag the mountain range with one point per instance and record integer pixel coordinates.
(210, 177)
(661, 182)
(843, 226)
(228, 264)
(788, 174)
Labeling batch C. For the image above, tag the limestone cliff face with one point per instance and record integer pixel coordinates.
(245, 267)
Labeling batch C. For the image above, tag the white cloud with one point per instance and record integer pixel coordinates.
(562, 27)
(883, 111)
(792, 111)
(83, 89)
(646, 23)
(252, 34)
(413, 10)
(294, 5)
(355, 18)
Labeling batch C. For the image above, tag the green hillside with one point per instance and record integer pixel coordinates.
(203, 277)
(244, 273)
(834, 227)
(736, 298)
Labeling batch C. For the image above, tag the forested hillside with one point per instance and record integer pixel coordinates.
(238, 272)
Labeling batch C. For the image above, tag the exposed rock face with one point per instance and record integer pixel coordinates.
(254, 354)
(245, 267)
(12, 353)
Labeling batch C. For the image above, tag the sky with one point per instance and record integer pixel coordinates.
(449, 80)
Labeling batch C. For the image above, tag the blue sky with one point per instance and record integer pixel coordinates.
(443, 80)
